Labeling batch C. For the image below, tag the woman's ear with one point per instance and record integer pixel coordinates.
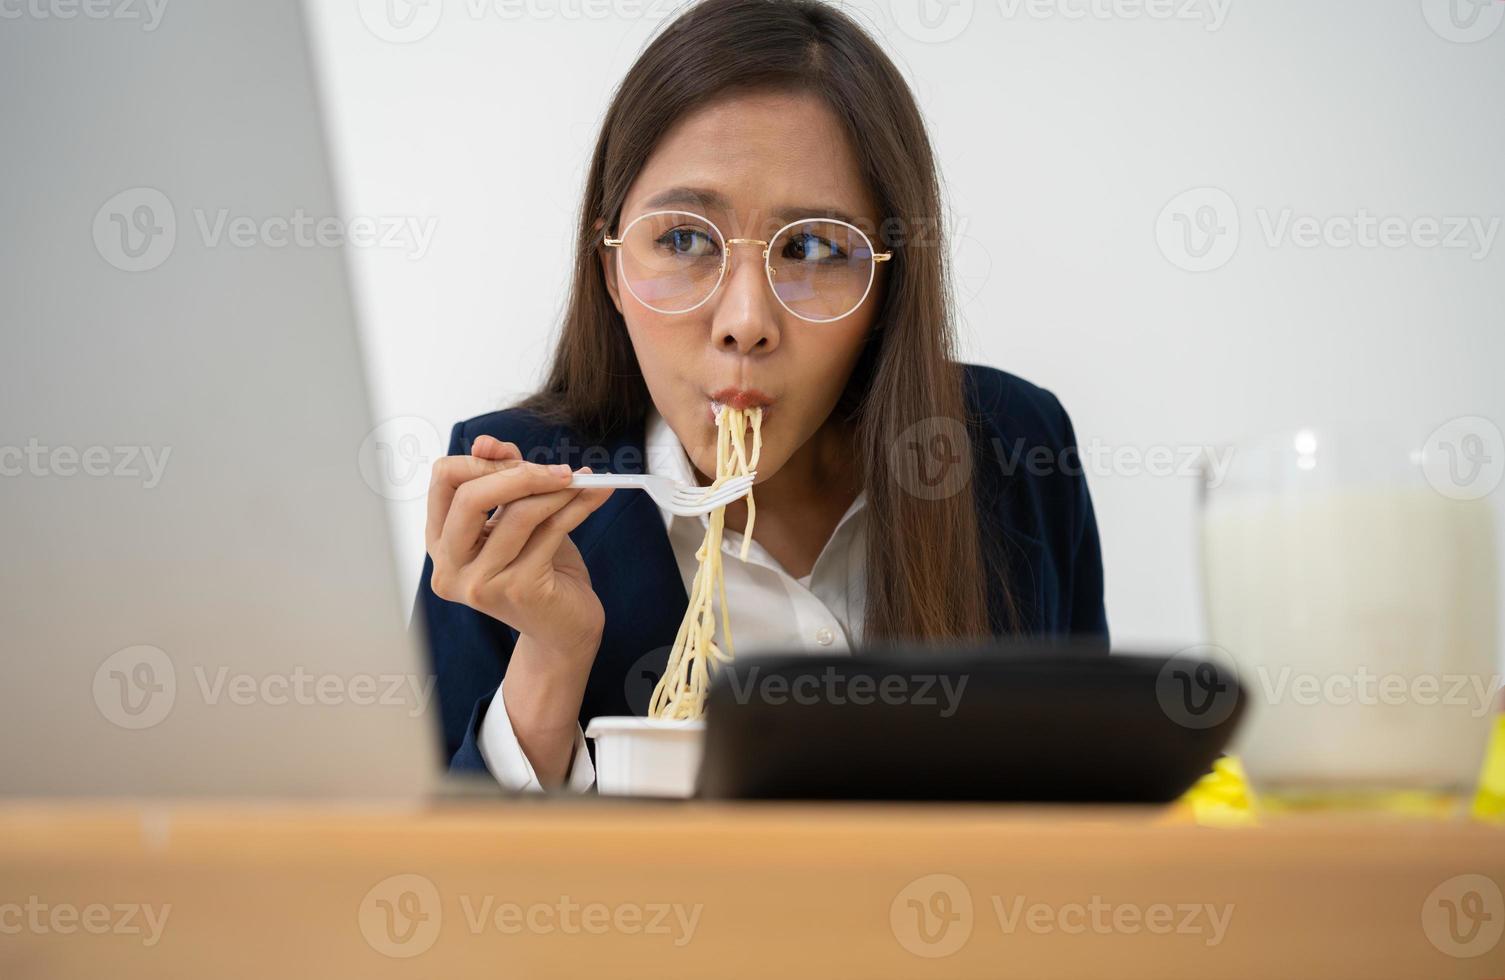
(608, 266)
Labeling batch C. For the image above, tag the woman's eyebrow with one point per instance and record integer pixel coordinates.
(700, 197)
(816, 211)
(689, 197)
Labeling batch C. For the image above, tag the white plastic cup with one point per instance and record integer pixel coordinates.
(646, 756)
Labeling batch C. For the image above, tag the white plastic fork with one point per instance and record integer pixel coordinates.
(680, 499)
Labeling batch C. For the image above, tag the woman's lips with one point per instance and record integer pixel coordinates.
(742, 398)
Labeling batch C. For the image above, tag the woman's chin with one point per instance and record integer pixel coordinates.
(704, 461)
(702, 450)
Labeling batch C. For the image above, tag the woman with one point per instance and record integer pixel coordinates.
(759, 229)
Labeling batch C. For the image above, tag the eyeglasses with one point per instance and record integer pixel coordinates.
(820, 269)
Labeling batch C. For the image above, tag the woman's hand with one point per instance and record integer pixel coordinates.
(520, 565)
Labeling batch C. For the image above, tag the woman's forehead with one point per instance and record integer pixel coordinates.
(755, 157)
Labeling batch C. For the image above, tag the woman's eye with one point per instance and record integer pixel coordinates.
(690, 242)
(812, 248)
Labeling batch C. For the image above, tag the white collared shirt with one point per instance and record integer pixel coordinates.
(770, 609)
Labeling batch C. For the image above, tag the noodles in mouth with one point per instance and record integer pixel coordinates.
(681, 692)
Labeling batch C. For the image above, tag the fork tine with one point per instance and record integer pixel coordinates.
(696, 508)
(720, 491)
(711, 503)
(728, 491)
(719, 502)
(736, 481)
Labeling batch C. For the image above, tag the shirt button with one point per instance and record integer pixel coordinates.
(824, 637)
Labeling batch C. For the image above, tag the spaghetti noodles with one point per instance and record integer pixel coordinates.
(681, 692)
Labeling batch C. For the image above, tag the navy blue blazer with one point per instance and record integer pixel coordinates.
(1034, 509)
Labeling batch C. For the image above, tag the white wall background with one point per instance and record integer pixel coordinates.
(1064, 128)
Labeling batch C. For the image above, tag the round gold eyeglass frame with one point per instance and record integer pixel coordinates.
(726, 252)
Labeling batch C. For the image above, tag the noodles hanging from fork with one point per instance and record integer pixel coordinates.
(682, 691)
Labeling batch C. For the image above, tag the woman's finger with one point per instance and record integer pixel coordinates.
(475, 499)
(448, 475)
(551, 533)
(508, 534)
(492, 448)
(489, 447)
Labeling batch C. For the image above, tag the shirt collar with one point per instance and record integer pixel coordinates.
(666, 456)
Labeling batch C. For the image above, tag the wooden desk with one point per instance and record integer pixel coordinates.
(600, 889)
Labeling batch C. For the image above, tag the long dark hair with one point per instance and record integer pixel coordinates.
(926, 567)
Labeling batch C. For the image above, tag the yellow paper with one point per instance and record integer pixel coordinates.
(1222, 798)
(1489, 801)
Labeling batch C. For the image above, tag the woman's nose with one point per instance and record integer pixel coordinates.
(745, 321)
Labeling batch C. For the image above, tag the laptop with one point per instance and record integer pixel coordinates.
(197, 590)
(1015, 721)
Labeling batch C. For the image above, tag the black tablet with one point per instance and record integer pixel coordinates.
(1037, 722)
